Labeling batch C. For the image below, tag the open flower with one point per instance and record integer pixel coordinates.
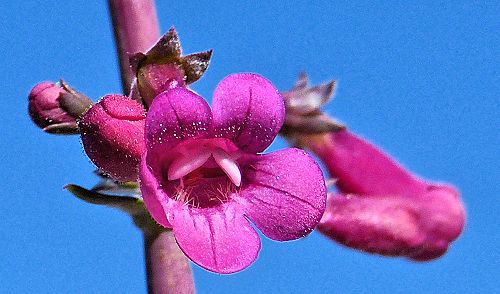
(202, 176)
(382, 208)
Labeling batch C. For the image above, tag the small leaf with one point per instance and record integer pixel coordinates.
(306, 100)
(168, 48)
(68, 128)
(108, 185)
(132, 205)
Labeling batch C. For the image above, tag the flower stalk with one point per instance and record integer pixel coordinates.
(135, 26)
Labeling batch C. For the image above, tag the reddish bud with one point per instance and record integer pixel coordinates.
(162, 67)
(152, 79)
(395, 225)
(55, 108)
(112, 134)
(383, 208)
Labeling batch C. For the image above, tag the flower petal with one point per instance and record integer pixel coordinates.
(361, 168)
(283, 193)
(175, 116)
(152, 194)
(387, 225)
(112, 133)
(218, 239)
(248, 110)
(419, 228)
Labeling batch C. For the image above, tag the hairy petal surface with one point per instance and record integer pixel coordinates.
(386, 225)
(248, 110)
(443, 218)
(112, 133)
(175, 116)
(218, 239)
(152, 194)
(395, 225)
(283, 193)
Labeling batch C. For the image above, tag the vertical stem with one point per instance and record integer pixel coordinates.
(135, 26)
(167, 268)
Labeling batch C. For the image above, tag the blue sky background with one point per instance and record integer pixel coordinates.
(421, 80)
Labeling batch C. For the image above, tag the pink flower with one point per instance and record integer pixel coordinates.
(381, 207)
(202, 176)
(112, 133)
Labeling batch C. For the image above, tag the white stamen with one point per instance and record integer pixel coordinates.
(186, 163)
(228, 165)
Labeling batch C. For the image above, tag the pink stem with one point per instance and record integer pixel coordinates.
(136, 29)
(167, 268)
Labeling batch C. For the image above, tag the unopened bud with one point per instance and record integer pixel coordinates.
(162, 67)
(55, 108)
(153, 79)
(419, 228)
(383, 208)
(112, 134)
(380, 207)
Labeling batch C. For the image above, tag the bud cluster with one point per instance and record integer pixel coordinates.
(112, 130)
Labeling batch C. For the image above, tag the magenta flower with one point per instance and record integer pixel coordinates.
(382, 208)
(112, 133)
(202, 176)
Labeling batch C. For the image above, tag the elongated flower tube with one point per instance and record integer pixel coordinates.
(382, 208)
(202, 176)
(112, 133)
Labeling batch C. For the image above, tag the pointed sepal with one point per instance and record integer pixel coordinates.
(195, 65)
(303, 109)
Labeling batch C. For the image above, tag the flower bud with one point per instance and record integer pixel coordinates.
(112, 134)
(55, 108)
(383, 208)
(152, 79)
(162, 67)
(395, 225)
